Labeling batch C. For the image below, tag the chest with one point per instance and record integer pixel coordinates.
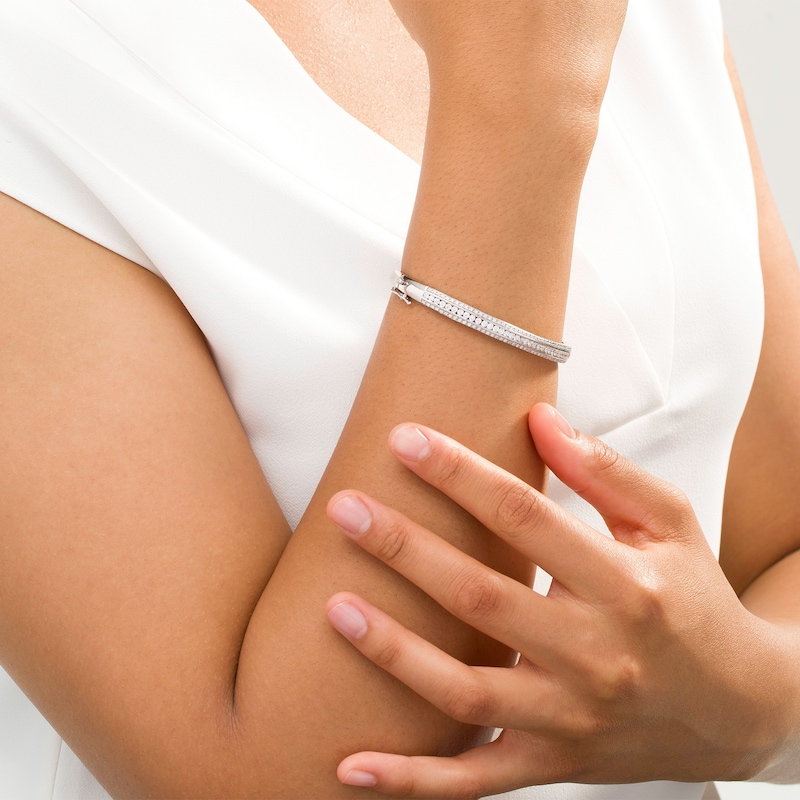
(361, 56)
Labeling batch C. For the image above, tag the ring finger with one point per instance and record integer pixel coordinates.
(515, 697)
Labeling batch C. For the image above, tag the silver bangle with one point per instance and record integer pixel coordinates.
(408, 290)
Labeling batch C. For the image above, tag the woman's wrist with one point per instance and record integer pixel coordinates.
(515, 93)
(494, 218)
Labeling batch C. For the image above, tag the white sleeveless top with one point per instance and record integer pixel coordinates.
(206, 154)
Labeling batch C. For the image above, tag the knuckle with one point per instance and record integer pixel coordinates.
(478, 595)
(643, 599)
(469, 701)
(470, 788)
(669, 511)
(681, 507)
(405, 785)
(516, 507)
(611, 672)
(614, 682)
(605, 458)
(387, 654)
(393, 543)
(452, 466)
(676, 498)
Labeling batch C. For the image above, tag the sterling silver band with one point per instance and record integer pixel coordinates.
(408, 290)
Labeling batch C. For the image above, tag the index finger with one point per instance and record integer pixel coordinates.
(581, 558)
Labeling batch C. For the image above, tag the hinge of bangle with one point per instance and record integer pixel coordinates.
(399, 288)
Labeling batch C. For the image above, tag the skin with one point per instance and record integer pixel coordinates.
(364, 59)
(150, 605)
(623, 712)
(142, 599)
(673, 677)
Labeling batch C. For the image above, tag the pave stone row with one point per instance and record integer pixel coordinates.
(496, 328)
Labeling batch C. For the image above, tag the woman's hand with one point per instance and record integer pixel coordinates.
(640, 664)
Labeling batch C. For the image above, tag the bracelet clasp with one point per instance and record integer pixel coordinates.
(400, 286)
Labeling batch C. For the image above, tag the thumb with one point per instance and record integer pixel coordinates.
(636, 506)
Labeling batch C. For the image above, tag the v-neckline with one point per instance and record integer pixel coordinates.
(225, 60)
(307, 76)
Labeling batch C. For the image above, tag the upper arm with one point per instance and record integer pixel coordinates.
(761, 521)
(149, 606)
(210, 673)
(136, 529)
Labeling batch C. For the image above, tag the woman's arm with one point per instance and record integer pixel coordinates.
(138, 604)
(762, 507)
(760, 550)
(702, 686)
(489, 228)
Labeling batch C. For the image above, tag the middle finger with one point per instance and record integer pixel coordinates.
(584, 561)
(502, 608)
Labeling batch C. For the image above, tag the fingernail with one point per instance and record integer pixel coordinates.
(410, 443)
(350, 622)
(352, 515)
(564, 426)
(357, 777)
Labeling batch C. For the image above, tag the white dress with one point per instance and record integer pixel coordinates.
(209, 156)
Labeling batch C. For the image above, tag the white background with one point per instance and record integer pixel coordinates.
(764, 39)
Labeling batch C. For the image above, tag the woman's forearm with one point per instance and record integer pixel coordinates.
(493, 226)
(495, 211)
(176, 532)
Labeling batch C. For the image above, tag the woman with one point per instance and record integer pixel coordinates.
(151, 607)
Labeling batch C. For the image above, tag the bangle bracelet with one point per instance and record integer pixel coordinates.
(407, 290)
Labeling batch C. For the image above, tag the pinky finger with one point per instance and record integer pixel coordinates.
(485, 770)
